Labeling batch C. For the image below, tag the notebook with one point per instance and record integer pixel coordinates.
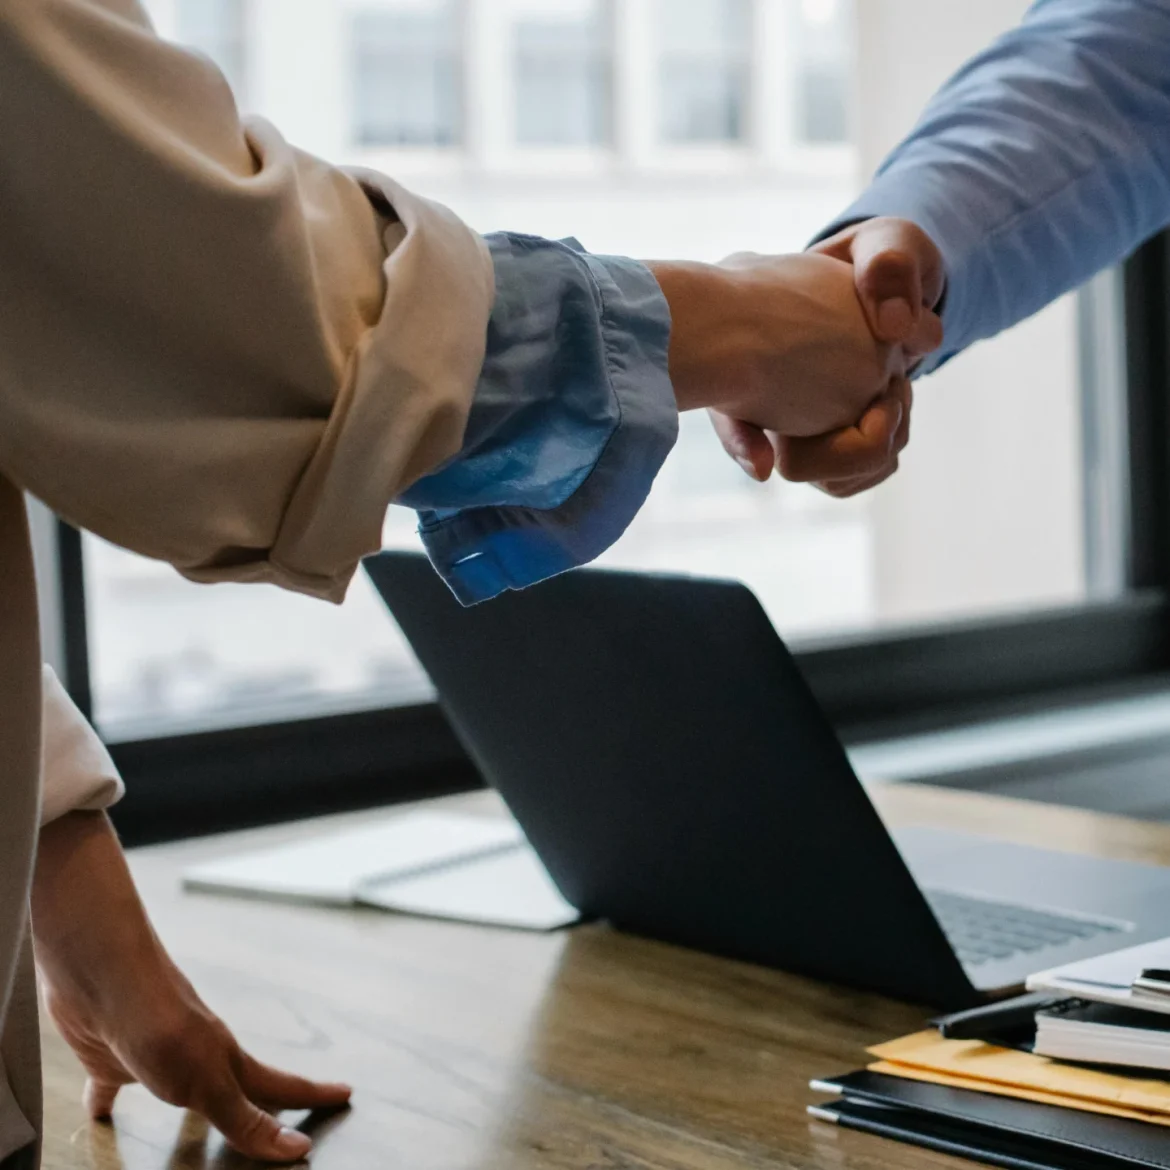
(1017, 1134)
(436, 864)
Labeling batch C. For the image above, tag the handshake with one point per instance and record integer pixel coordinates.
(804, 360)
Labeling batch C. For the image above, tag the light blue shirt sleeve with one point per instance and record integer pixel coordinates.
(573, 416)
(1044, 160)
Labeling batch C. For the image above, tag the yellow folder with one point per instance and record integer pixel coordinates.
(971, 1064)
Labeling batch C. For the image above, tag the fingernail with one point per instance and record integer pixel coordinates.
(291, 1143)
(748, 467)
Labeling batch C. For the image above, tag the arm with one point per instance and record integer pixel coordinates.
(217, 350)
(224, 353)
(109, 984)
(76, 770)
(129, 1013)
(1045, 159)
(589, 360)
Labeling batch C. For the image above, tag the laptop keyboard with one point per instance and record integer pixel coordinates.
(983, 931)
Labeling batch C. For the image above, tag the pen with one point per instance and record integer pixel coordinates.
(1153, 980)
(997, 1018)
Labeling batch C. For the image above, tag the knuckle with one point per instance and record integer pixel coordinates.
(185, 1059)
(253, 1125)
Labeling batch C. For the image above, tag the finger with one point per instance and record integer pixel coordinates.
(839, 246)
(281, 1090)
(851, 453)
(250, 1130)
(99, 1097)
(925, 337)
(889, 282)
(844, 489)
(899, 277)
(746, 444)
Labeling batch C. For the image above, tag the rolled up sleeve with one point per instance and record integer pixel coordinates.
(77, 771)
(215, 349)
(572, 418)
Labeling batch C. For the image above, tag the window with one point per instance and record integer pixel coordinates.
(168, 654)
(822, 76)
(407, 84)
(704, 70)
(218, 28)
(562, 71)
(983, 523)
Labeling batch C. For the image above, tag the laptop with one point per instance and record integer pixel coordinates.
(658, 745)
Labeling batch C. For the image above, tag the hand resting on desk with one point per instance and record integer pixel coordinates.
(129, 1013)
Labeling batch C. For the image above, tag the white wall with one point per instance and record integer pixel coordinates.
(986, 512)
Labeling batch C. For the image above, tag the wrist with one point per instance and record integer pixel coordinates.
(92, 937)
(712, 331)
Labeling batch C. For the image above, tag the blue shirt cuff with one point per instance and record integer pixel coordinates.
(573, 418)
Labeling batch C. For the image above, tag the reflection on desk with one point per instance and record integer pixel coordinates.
(479, 1048)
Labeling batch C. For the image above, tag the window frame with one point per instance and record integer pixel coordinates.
(890, 683)
(770, 146)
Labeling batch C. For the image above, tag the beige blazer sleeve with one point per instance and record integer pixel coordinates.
(76, 770)
(214, 349)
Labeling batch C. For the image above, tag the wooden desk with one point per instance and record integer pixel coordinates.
(475, 1048)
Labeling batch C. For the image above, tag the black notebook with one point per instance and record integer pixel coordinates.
(1001, 1131)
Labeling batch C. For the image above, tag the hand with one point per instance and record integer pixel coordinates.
(170, 1042)
(780, 342)
(898, 274)
(129, 1013)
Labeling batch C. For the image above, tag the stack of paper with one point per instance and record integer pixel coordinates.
(971, 1064)
(1099, 1033)
(1018, 1106)
(436, 864)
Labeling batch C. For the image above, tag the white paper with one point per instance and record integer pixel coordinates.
(510, 889)
(330, 868)
(1107, 978)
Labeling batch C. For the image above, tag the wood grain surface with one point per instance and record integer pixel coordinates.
(477, 1048)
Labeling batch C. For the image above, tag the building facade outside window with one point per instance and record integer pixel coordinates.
(562, 54)
(407, 78)
(704, 70)
(976, 522)
(822, 78)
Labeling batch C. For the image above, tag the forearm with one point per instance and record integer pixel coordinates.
(1045, 159)
(234, 355)
(90, 928)
(130, 1014)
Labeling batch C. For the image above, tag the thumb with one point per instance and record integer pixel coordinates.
(746, 444)
(899, 277)
(99, 1097)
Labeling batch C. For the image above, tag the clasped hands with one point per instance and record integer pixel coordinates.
(804, 360)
